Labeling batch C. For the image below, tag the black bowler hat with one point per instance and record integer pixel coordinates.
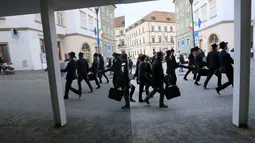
(223, 44)
(214, 46)
(72, 54)
(172, 50)
(80, 54)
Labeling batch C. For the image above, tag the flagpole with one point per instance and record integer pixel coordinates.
(193, 28)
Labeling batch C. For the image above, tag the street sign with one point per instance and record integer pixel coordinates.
(109, 48)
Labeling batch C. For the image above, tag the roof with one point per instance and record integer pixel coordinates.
(19, 7)
(155, 16)
(119, 22)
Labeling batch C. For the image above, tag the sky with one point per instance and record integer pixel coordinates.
(136, 11)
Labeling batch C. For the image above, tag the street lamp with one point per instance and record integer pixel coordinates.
(193, 28)
(98, 40)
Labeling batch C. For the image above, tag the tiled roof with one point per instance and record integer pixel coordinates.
(119, 21)
(157, 16)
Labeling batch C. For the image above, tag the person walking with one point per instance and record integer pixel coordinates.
(115, 68)
(171, 65)
(157, 79)
(102, 69)
(83, 69)
(199, 64)
(130, 65)
(71, 75)
(94, 69)
(226, 66)
(141, 77)
(213, 64)
(191, 65)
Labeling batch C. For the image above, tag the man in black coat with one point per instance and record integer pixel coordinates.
(213, 64)
(199, 64)
(83, 69)
(94, 69)
(226, 66)
(141, 78)
(71, 75)
(157, 79)
(171, 65)
(116, 68)
(191, 65)
(102, 69)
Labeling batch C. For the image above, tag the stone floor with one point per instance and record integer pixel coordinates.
(197, 116)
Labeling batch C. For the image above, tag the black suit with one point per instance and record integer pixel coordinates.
(102, 70)
(83, 68)
(71, 75)
(144, 68)
(226, 67)
(137, 71)
(199, 65)
(116, 69)
(191, 66)
(157, 80)
(171, 66)
(94, 70)
(213, 64)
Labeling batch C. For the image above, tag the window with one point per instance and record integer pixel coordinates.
(108, 31)
(188, 42)
(159, 39)
(60, 17)
(121, 33)
(91, 23)
(152, 28)
(166, 39)
(203, 12)
(42, 46)
(172, 40)
(140, 41)
(165, 28)
(159, 28)
(153, 18)
(168, 19)
(104, 27)
(38, 17)
(188, 20)
(213, 8)
(178, 45)
(171, 29)
(83, 20)
(111, 15)
(153, 39)
(122, 43)
(4, 53)
(143, 29)
(143, 40)
(154, 51)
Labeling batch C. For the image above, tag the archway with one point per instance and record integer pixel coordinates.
(213, 38)
(87, 51)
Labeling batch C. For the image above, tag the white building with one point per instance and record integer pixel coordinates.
(25, 49)
(217, 18)
(120, 34)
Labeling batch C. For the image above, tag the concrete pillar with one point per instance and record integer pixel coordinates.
(56, 90)
(242, 26)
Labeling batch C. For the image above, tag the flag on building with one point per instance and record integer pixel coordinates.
(199, 22)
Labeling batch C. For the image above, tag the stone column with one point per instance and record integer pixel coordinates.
(56, 90)
(242, 24)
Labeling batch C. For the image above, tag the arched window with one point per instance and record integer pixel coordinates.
(213, 39)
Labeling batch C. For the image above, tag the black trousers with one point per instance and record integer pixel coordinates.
(210, 74)
(159, 89)
(69, 87)
(188, 72)
(230, 76)
(141, 87)
(132, 87)
(103, 74)
(126, 96)
(198, 76)
(85, 78)
(96, 80)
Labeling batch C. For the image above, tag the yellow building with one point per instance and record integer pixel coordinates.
(154, 32)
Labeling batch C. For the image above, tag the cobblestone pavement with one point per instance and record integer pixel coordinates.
(197, 116)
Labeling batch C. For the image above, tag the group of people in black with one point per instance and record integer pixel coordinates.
(149, 72)
(84, 72)
(216, 63)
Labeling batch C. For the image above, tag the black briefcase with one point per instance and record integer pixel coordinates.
(115, 94)
(91, 77)
(172, 92)
(204, 72)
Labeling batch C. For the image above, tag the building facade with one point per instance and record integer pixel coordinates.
(22, 41)
(184, 36)
(120, 34)
(217, 22)
(107, 25)
(154, 32)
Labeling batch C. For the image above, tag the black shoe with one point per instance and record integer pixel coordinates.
(163, 106)
(141, 101)
(80, 94)
(196, 83)
(107, 81)
(91, 91)
(98, 87)
(132, 100)
(147, 101)
(205, 87)
(66, 97)
(125, 107)
(218, 91)
(185, 79)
